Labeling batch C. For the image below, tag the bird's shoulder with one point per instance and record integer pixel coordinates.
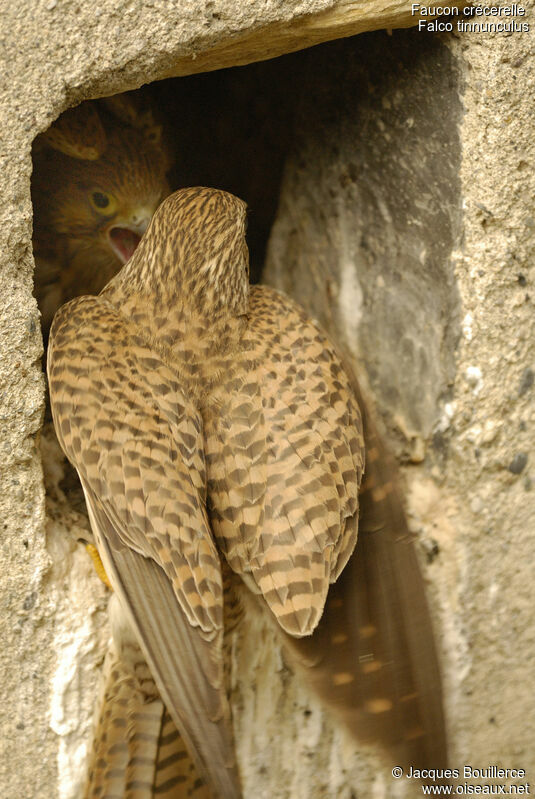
(299, 373)
(101, 365)
(280, 329)
(95, 329)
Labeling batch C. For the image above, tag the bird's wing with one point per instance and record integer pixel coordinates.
(284, 453)
(137, 748)
(136, 442)
(78, 133)
(372, 658)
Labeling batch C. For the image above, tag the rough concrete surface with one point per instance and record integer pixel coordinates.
(406, 224)
(489, 475)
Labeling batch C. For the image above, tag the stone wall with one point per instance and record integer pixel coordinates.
(405, 224)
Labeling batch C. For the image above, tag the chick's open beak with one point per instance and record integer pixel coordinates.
(125, 235)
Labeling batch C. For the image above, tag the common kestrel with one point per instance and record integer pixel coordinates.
(216, 430)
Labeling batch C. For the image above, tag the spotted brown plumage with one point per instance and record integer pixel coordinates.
(210, 423)
(372, 659)
(98, 177)
(284, 452)
(137, 749)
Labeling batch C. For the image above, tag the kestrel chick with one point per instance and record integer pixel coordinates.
(98, 178)
(210, 423)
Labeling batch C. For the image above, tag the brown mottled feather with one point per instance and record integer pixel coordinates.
(78, 133)
(284, 452)
(135, 439)
(203, 416)
(134, 109)
(372, 658)
(186, 664)
(138, 752)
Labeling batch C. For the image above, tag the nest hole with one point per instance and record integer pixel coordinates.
(347, 155)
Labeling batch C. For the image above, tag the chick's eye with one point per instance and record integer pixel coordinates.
(100, 200)
(103, 202)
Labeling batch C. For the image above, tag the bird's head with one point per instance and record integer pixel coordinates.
(104, 205)
(195, 251)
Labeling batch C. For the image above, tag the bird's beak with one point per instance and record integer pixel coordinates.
(124, 235)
